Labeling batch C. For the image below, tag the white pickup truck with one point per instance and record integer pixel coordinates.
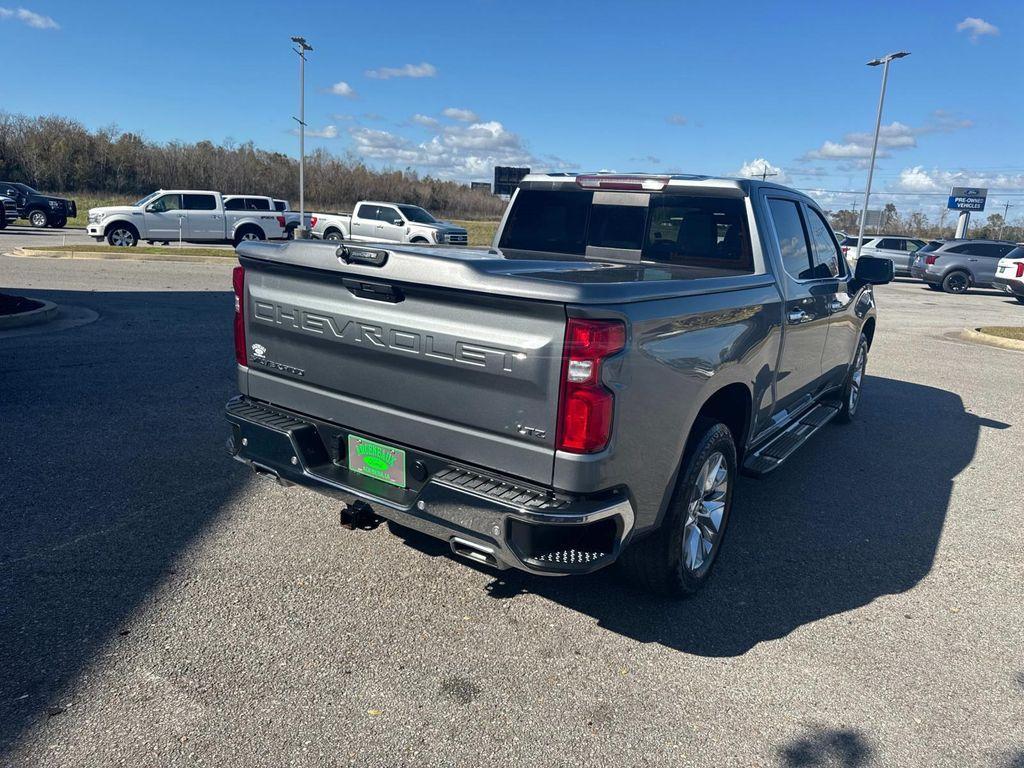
(391, 222)
(197, 216)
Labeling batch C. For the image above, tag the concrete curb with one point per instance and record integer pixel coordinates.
(993, 341)
(228, 256)
(37, 316)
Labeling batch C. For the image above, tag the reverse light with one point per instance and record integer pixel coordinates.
(608, 181)
(585, 405)
(238, 283)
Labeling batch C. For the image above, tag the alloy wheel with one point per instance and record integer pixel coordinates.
(38, 219)
(856, 380)
(122, 238)
(703, 527)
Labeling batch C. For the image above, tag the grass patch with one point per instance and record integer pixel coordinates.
(1004, 331)
(481, 233)
(225, 253)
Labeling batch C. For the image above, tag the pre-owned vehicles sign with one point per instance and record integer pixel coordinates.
(967, 199)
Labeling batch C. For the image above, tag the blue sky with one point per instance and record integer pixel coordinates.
(450, 89)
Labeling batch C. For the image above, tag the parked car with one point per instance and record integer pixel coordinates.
(40, 210)
(896, 248)
(387, 222)
(958, 265)
(275, 225)
(587, 389)
(1010, 273)
(8, 211)
(917, 264)
(198, 216)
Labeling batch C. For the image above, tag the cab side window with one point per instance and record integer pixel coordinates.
(367, 212)
(827, 259)
(792, 239)
(166, 203)
(235, 204)
(389, 215)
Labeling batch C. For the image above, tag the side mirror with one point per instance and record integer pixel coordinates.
(398, 222)
(873, 270)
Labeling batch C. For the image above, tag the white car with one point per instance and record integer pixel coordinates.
(388, 222)
(291, 217)
(1010, 273)
(196, 216)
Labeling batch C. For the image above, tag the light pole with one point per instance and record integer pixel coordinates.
(300, 231)
(884, 61)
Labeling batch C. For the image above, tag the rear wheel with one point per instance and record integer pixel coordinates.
(956, 281)
(678, 558)
(38, 219)
(333, 234)
(59, 223)
(3, 219)
(249, 234)
(1019, 299)
(854, 382)
(123, 236)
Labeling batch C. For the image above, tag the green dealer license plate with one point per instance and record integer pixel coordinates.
(376, 460)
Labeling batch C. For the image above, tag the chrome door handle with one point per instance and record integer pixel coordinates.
(798, 316)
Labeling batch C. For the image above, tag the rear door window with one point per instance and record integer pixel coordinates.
(280, 206)
(827, 258)
(200, 202)
(890, 244)
(792, 240)
(235, 204)
(257, 204)
(367, 212)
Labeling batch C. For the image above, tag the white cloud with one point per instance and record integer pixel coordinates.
(677, 120)
(919, 179)
(424, 120)
(327, 132)
(457, 151)
(341, 88)
(894, 136)
(407, 70)
(30, 18)
(465, 115)
(977, 28)
(755, 168)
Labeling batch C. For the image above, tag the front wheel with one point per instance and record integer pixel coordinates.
(1020, 299)
(854, 383)
(677, 559)
(122, 236)
(957, 281)
(38, 219)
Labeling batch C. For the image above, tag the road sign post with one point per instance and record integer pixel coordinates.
(965, 200)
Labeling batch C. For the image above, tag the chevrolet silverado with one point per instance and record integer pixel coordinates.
(587, 390)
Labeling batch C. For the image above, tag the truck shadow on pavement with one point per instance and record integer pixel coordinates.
(103, 484)
(851, 517)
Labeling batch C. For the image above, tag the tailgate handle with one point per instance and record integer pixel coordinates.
(376, 291)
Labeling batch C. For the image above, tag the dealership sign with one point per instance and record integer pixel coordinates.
(967, 199)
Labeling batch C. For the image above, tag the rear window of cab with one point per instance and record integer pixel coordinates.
(676, 229)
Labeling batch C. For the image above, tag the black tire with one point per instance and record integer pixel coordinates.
(658, 562)
(1020, 299)
(39, 218)
(853, 386)
(3, 220)
(420, 241)
(121, 235)
(249, 233)
(333, 234)
(957, 281)
(60, 222)
(934, 287)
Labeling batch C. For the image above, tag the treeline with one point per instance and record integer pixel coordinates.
(917, 224)
(57, 154)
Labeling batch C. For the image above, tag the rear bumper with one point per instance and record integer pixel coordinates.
(1016, 287)
(487, 518)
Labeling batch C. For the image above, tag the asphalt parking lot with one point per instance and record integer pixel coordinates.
(163, 607)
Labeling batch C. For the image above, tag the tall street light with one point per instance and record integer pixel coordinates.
(300, 231)
(884, 61)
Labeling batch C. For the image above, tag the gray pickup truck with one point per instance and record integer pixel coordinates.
(585, 391)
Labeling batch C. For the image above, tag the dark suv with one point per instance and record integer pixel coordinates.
(957, 265)
(40, 210)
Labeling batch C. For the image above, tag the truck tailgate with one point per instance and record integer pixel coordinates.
(465, 374)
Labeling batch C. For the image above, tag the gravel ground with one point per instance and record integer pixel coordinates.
(162, 607)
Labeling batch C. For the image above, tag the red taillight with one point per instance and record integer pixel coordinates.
(1020, 269)
(238, 283)
(585, 405)
(312, 221)
(930, 259)
(846, 249)
(281, 222)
